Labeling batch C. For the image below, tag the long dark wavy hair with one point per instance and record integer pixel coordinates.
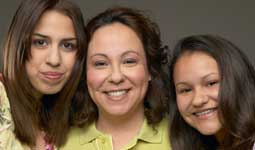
(52, 113)
(236, 97)
(149, 34)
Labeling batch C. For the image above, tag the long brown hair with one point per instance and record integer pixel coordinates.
(52, 112)
(236, 99)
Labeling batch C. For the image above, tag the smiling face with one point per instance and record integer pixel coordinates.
(197, 82)
(53, 53)
(117, 73)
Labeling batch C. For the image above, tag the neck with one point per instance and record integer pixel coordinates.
(121, 128)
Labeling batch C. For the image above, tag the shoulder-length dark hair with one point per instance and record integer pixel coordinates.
(149, 34)
(236, 96)
(51, 113)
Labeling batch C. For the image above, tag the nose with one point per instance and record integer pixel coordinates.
(200, 98)
(116, 75)
(54, 57)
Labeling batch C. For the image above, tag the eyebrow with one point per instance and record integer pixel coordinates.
(213, 73)
(204, 77)
(98, 54)
(45, 36)
(180, 83)
(131, 51)
(104, 55)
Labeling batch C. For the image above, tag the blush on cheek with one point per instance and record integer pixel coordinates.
(93, 81)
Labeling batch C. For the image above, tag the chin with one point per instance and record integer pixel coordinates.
(117, 112)
(205, 132)
(50, 91)
(209, 130)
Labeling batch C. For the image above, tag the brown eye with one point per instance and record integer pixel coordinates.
(40, 43)
(129, 61)
(100, 64)
(68, 46)
(212, 83)
(185, 90)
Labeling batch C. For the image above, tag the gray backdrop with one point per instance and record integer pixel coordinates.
(232, 19)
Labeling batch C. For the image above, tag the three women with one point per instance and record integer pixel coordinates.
(125, 105)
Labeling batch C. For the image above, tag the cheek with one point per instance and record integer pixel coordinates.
(69, 61)
(139, 75)
(214, 93)
(29, 69)
(182, 104)
(33, 66)
(95, 79)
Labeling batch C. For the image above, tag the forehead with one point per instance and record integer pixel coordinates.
(54, 20)
(115, 37)
(196, 63)
(196, 55)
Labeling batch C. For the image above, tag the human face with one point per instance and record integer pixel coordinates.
(117, 74)
(197, 82)
(53, 53)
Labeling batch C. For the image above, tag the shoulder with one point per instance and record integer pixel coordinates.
(4, 101)
(163, 130)
(5, 111)
(151, 138)
(82, 138)
(8, 141)
(7, 137)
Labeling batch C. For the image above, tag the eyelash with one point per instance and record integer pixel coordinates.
(100, 64)
(43, 43)
(209, 84)
(130, 61)
(40, 43)
(186, 90)
(68, 46)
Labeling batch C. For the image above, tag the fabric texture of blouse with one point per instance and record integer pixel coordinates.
(7, 137)
(8, 141)
(91, 139)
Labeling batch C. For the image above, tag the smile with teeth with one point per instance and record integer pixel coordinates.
(205, 112)
(116, 93)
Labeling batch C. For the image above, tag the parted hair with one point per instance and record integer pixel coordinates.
(51, 113)
(149, 34)
(236, 99)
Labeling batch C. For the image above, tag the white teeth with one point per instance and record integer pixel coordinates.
(116, 93)
(204, 112)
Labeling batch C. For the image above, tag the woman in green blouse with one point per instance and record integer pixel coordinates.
(126, 106)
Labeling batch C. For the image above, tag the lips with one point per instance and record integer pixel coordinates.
(116, 94)
(52, 75)
(205, 113)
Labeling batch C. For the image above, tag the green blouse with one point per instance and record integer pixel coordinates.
(92, 139)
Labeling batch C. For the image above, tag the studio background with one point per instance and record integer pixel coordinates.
(232, 19)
